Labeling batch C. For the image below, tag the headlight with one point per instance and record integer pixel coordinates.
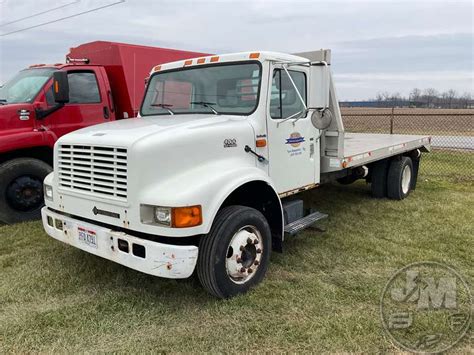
(48, 192)
(163, 215)
(176, 217)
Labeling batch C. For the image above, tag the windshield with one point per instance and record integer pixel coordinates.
(215, 89)
(24, 86)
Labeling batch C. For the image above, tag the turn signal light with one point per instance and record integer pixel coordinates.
(187, 216)
(254, 55)
(260, 143)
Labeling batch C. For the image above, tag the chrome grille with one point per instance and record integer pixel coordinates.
(96, 170)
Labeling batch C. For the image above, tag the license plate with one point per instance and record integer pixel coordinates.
(87, 237)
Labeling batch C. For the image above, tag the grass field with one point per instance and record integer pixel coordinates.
(322, 294)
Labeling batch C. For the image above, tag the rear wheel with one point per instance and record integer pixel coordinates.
(234, 256)
(400, 178)
(21, 189)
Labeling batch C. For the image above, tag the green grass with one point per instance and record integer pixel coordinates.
(321, 294)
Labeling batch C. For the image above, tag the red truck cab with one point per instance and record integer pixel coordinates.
(106, 82)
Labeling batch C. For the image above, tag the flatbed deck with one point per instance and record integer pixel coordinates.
(364, 148)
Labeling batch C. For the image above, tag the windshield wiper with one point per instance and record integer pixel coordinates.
(165, 107)
(206, 104)
(3, 101)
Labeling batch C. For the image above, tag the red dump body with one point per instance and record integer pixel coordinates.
(127, 65)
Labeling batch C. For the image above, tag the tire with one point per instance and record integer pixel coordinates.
(378, 178)
(21, 189)
(218, 266)
(400, 178)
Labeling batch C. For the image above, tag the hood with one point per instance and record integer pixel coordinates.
(129, 131)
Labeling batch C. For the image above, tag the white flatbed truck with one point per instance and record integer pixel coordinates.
(208, 177)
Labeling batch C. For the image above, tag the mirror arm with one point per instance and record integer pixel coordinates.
(40, 113)
(294, 86)
(288, 118)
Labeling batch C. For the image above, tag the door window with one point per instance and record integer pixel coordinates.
(83, 88)
(284, 100)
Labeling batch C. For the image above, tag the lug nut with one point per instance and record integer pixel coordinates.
(256, 262)
(255, 241)
(249, 241)
(242, 269)
(242, 248)
(239, 260)
(249, 271)
(259, 251)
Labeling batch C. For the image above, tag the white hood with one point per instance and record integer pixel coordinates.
(124, 133)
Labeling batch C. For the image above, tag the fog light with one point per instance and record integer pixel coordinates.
(48, 192)
(50, 221)
(59, 224)
(163, 215)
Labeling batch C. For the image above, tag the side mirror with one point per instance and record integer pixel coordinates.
(319, 86)
(60, 87)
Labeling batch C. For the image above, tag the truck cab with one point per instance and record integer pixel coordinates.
(31, 122)
(209, 177)
(105, 82)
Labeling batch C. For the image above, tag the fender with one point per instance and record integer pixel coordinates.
(210, 192)
(20, 140)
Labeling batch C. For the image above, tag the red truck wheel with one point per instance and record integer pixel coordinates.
(21, 189)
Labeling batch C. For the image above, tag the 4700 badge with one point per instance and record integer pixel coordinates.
(87, 237)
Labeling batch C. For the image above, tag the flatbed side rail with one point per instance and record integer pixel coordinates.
(364, 157)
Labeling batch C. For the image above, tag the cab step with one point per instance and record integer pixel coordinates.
(303, 223)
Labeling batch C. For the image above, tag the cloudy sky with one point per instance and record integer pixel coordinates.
(377, 45)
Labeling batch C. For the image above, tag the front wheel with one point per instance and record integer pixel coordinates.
(21, 189)
(234, 256)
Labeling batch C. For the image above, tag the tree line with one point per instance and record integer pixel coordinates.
(427, 98)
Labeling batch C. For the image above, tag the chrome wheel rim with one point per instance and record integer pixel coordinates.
(406, 179)
(244, 254)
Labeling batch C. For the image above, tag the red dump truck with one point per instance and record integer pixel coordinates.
(106, 82)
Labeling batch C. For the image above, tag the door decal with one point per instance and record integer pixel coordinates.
(295, 141)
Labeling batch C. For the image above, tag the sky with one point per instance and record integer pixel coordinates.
(376, 46)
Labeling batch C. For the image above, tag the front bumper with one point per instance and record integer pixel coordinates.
(158, 259)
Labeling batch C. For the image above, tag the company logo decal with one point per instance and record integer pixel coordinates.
(295, 139)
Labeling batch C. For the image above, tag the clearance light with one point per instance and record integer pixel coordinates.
(260, 143)
(201, 60)
(254, 55)
(187, 216)
(188, 62)
(214, 59)
(157, 68)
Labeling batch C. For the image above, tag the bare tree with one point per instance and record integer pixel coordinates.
(465, 100)
(430, 95)
(415, 96)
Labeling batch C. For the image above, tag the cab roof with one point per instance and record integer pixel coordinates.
(260, 56)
